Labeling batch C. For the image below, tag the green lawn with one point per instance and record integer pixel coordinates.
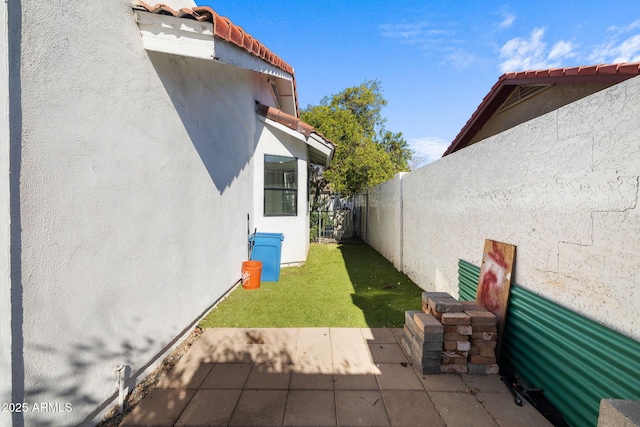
(340, 286)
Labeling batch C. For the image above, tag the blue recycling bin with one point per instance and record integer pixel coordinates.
(267, 247)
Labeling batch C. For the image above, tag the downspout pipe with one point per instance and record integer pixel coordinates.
(120, 379)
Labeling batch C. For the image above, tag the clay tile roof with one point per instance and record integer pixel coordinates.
(288, 120)
(604, 73)
(223, 28)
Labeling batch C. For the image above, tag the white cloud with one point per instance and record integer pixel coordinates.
(507, 20)
(560, 50)
(633, 26)
(619, 47)
(532, 54)
(405, 32)
(430, 39)
(628, 50)
(427, 150)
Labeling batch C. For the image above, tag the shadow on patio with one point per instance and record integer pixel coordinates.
(319, 376)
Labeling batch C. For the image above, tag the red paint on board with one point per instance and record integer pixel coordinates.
(489, 290)
(497, 256)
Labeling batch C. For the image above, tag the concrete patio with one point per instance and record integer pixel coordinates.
(320, 377)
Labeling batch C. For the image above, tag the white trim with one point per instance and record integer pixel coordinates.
(317, 146)
(188, 37)
(297, 135)
(168, 34)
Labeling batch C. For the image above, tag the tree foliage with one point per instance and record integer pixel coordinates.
(366, 153)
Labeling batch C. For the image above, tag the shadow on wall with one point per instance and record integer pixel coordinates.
(381, 292)
(14, 38)
(80, 360)
(215, 103)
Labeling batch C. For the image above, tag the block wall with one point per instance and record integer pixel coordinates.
(563, 188)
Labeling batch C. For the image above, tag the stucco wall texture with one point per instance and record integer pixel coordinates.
(296, 241)
(562, 187)
(136, 182)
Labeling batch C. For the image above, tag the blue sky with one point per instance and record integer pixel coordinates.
(436, 60)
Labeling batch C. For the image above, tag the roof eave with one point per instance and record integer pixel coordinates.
(196, 39)
(613, 74)
(321, 149)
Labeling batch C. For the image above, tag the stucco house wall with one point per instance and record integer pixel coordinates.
(551, 98)
(563, 188)
(136, 176)
(276, 140)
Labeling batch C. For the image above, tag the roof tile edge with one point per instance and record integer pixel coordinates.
(230, 32)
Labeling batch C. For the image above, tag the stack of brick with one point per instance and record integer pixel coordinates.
(422, 341)
(484, 337)
(456, 345)
(437, 303)
(457, 329)
(451, 336)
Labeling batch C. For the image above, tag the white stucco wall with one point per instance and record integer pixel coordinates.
(279, 142)
(385, 219)
(563, 188)
(136, 180)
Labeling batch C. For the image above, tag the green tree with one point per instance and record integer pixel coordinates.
(366, 153)
(398, 149)
(364, 101)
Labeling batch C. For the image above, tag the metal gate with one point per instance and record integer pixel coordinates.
(330, 226)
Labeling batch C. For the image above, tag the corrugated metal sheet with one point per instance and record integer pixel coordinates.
(575, 360)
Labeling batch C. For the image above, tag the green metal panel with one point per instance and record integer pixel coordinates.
(468, 275)
(575, 360)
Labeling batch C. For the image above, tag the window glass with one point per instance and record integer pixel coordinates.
(280, 185)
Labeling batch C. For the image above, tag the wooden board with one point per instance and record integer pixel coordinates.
(495, 281)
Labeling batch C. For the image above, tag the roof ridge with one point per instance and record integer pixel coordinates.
(617, 68)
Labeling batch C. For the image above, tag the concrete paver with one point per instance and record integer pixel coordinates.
(299, 406)
(510, 414)
(387, 353)
(395, 376)
(210, 408)
(452, 383)
(159, 408)
(272, 377)
(461, 410)
(411, 408)
(320, 377)
(360, 408)
(227, 376)
(186, 376)
(260, 408)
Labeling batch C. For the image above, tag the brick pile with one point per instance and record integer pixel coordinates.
(422, 340)
(484, 338)
(457, 330)
(450, 336)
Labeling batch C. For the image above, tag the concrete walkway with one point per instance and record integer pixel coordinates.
(320, 377)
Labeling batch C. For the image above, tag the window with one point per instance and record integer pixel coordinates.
(280, 186)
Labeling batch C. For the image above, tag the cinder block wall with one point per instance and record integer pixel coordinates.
(563, 188)
(385, 217)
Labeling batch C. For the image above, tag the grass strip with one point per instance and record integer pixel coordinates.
(348, 285)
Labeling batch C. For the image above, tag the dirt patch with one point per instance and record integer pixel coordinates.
(113, 418)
